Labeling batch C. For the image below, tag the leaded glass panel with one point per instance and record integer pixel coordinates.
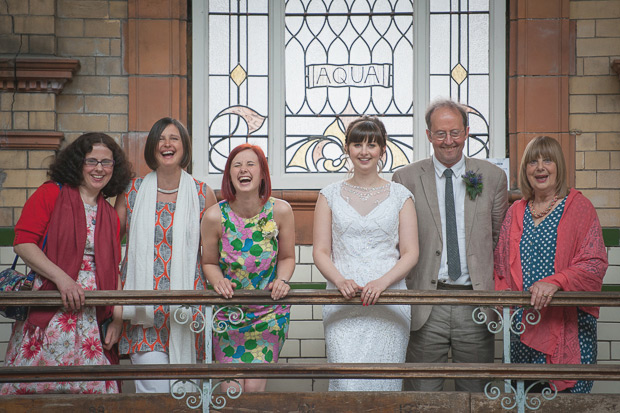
(238, 77)
(459, 63)
(346, 58)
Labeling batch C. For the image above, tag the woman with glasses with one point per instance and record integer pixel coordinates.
(551, 240)
(80, 230)
(160, 213)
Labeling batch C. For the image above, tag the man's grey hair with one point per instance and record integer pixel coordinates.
(445, 103)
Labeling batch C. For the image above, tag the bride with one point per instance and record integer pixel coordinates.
(365, 241)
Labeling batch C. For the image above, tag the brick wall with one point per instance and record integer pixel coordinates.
(97, 98)
(594, 106)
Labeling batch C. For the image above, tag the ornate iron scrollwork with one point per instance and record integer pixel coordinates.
(515, 398)
(480, 316)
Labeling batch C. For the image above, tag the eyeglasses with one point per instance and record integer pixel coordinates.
(545, 162)
(106, 163)
(440, 135)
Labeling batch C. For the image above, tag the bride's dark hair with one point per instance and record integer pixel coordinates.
(366, 129)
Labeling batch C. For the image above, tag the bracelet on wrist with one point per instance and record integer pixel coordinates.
(284, 281)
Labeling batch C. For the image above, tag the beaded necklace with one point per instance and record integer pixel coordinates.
(364, 193)
(543, 213)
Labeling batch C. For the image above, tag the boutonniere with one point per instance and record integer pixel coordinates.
(473, 184)
(268, 228)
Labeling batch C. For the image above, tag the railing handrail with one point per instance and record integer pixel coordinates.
(297, 297)
(491, 371)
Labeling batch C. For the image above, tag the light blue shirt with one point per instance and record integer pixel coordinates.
(458, 186)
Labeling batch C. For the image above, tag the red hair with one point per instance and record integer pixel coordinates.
(264, 190)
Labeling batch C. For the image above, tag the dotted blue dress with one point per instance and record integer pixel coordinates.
(537, 247)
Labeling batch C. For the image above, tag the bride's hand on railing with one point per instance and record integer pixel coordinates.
(224, 287)
(371, 292)
(348, 288)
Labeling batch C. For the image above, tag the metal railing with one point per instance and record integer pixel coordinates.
(504, 304)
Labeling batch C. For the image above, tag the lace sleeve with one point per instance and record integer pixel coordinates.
(402, 194)
(329, 193)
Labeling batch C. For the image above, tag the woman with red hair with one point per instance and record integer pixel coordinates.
(248, 242)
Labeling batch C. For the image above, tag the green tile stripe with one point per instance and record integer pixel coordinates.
(6, 237)
(307, 286)
(611, 288)
(611, 237)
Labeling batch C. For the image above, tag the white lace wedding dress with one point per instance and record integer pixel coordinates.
(364, 247)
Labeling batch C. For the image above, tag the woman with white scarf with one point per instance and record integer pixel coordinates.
(161, 213)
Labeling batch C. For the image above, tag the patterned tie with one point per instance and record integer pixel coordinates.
(452, 238)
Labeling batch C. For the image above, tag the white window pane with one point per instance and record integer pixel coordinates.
(439, 44)
(479, 44)
(440, 5)
(479, 5)
(439, 87)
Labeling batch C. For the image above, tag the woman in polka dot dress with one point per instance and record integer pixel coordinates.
(552, 240)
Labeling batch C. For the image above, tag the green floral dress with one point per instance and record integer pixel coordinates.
(248, 257)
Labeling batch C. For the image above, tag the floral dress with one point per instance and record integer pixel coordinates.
(248, 254)
(537, 248)
(70, 339)
(136, 338)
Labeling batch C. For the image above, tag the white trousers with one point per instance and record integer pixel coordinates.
(151, 386)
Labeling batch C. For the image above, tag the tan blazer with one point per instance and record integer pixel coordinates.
(483, 219)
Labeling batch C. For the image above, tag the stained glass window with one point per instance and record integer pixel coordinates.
(290, 75)
(238, 77)
(344, 59)
(459, 63)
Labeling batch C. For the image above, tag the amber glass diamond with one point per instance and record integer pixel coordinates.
(238, 75)
(459, 74)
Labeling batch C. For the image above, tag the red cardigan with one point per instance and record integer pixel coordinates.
(580, 265)
(61, 216)
(36, 214)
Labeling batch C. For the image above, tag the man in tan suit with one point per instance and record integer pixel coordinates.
(457, 236)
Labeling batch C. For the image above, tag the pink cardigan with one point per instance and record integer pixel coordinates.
(580, 265)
